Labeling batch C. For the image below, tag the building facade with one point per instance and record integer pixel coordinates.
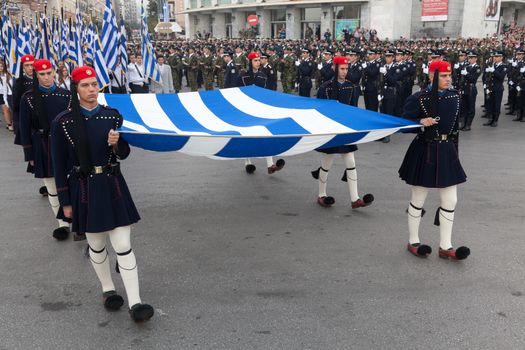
(295, 19)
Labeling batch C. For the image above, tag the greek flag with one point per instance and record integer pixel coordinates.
(63, 41)
(245, 122)
(110, 37)
(9, 44)
(123, 48)
(89, 44)
(100, 64)
(151, 68)
(23, 42)
(75, 50)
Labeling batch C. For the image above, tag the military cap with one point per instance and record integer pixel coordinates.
(472, 53)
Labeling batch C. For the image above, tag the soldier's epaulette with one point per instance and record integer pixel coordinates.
(64, 116)
(120, 118)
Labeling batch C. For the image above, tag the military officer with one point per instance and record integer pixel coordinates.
(495, 88)
(471, 73)
(370, 80)
(305, 71)
(355, 72)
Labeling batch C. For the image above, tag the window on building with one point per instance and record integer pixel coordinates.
(347, 12)
(206, 3)
(279, 15)
(225, 2)
(193, 4)
(311, 14)
(310, 22)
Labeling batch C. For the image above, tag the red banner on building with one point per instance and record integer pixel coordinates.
(434, 10)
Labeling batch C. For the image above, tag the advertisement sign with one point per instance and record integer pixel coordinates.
(434, 10)
(492, 10)
(341, 24)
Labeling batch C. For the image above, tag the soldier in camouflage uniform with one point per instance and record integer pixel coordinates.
(220, 68)
(207, 65)
(288, 73)
(192, 65)
(175, 63)
(240, 59)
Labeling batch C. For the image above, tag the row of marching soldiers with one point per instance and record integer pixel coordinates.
(69, 141)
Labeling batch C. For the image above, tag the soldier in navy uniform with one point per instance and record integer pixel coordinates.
(458, 83)
(341, 90)
(325, 68)
(23, 84)
(432, 160)
(471, 73)
(495, 89)
(231, 74)
(305, 71)
(269, 71)
(371, 81)
(412, 71)
(520, 95)
(92, 191)
(355, 72)
(254, 76)
(402, 73)
(389, 83)
(38, 107)
(513, 78)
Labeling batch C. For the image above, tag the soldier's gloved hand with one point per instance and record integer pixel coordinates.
(425, 70)
(428, 121)
(522, 70)
(364, 65)
(511, 82)
(379, 98)
(518, 89)
(382, 70)
(456, 66)
(514, 64)
(484, 86)
(297, 63)
(320, 66)
(464, 72)
(296, 85)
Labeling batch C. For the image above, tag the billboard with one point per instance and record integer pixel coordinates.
(492, 10)
(434, 10)
(341, 24)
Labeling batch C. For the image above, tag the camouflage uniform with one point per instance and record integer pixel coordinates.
(175, 63)
(288, 73)
(220, 70)
(207, 66)
(193, 66)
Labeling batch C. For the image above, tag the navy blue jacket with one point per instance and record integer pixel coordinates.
(231, 75)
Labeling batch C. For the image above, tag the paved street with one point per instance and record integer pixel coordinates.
(237, 261)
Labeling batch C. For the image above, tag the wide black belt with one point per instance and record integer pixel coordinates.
(112, 169)
(441, 137)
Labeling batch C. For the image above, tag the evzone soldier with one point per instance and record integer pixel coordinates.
(254, 76)
(355, 72)
(22, 84)
(494, 82)
(341, 90)
(432, 161)
(305, 72)
(471, 73)
(370, 81)
(92, 191)
(38, 107)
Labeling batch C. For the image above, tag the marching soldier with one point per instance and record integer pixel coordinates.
(432, 161)
(513, 78)
(495, 88)
(23, 84)
(38, 108)
(341, 90)
(207, 66)
(371, 80)
(355, 72)
(520, 96)
(92, 191)
(471, 73)
(402, 71)
(458, 83)
(305, 71)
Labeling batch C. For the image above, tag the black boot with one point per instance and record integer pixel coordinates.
(489, 123)
(519, 117)
(468, 124)
(495, 121)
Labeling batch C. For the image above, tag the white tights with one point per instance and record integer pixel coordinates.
(269, 161)
(446, 214)
(52, 196)
(120, 240)
(351, 174)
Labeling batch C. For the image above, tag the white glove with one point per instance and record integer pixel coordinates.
(382, 70)
(425, 70)
(511, 82)
(522, 70)
(484, 86)
(320, 66)
(456, 66)
(297, 63)
(487, 91)
(514, 64)
(491, 69)
(364, 65)
(518, 88)
(464, 72)
(379, 97)
(296, 85)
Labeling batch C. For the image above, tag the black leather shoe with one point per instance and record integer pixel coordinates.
(141, 312)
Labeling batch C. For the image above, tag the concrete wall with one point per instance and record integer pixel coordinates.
(219, 25)
(389, 17)
(452, 27)
(474, 24)
(293, 23)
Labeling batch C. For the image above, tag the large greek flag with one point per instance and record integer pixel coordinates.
(245, 122)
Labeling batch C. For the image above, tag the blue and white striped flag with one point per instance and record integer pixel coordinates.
(63, 41)
(109, 37)
(149, 58)
(75, 50)
(9, 45)
(100, 64)
(89, 45)
(23, 42)
(246, 122)
(166, 11)
(123, 48)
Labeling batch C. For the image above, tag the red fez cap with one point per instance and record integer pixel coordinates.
(440, 66)
(340, 60)
(27, 58)
(81, 73)
(253, 55)
(41, 65)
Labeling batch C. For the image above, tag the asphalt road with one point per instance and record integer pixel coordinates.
(237, 261)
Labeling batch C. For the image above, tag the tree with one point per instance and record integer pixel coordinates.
(152, 15)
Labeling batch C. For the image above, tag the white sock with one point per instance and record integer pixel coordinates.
(269, 161)
(98, 255)
(351, 175)
(419, 194)
(120, 240)
(52, 197)
(247, 161)
(449, 200)
(326, 164)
